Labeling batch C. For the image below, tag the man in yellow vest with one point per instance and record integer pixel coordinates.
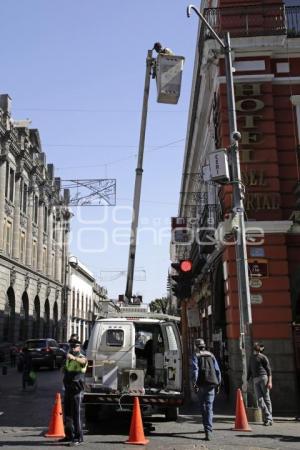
(74, 370)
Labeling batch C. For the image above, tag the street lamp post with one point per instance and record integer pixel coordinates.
(238, 196)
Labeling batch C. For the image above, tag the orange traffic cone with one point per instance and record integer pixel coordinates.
(56, 426)
(241, 421)
(136, 433)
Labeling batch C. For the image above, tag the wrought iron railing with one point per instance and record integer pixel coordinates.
(293, 20)
(204, 242)
(255, 20)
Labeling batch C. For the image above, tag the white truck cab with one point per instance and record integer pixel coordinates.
(134, 354)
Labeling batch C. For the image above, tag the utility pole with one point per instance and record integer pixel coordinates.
(238, 197)
(138, 180)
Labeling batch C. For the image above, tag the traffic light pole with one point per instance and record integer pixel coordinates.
(138, 180)
(238, 199)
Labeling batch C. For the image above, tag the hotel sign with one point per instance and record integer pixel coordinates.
(249, 107)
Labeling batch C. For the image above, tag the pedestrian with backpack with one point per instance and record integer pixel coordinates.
(206, 377)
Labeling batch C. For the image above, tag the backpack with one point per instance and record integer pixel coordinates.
(207, 372)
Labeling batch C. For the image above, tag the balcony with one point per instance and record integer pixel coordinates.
(254, 20)
(204, 243)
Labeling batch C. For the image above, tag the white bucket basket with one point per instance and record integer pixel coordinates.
(168, 78)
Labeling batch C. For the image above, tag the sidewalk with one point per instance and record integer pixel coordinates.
(284, 434)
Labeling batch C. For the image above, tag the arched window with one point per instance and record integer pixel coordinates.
(36, 319)
(9, 316)
(46, 331)
(55, 321)
(24, 318)
(73, 302)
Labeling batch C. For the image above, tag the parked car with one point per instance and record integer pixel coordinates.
(44, 353)
(2, 355)
(65, 346)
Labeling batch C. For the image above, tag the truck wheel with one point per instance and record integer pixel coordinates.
(91, 413)
(171, 413)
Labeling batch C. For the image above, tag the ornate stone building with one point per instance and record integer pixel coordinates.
(83, 299)
(34, 227)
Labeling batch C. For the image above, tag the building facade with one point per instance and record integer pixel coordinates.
(265, 38)
(34, 228)
(84, 299)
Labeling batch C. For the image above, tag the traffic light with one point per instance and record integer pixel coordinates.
(182, 281)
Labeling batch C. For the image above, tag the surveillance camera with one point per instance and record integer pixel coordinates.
(236, 136)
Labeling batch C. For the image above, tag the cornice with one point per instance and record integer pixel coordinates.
(263, 77)
(266, 226)
(7, 262)
(287, 80)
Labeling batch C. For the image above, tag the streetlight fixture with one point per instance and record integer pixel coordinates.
(238, 196)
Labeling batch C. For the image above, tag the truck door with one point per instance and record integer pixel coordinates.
(172, 356)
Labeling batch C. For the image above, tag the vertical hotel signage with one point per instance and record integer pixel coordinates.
(249, 107)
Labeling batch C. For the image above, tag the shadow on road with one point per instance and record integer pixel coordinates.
(279, 437)
(28, 443)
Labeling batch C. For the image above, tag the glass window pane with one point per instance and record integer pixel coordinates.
(171, 338)
(114, 338)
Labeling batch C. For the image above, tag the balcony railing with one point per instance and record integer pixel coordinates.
(205, 235)
(293, 20)
(255, 20)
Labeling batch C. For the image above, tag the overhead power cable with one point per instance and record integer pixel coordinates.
(98, 145)
(120, 159)
(83, 110)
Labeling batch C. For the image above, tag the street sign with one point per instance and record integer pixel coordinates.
(255, 283)
(193, 318)
(256, 299)
(258, 252)
(219, 168)
(258, 267)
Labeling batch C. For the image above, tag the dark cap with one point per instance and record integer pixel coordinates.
(157, 46)
(74, 342)
(200, 343)
(257, 346)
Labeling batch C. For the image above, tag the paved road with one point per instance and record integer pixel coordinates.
(26, 417)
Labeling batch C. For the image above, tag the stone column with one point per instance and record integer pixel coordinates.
(58, 249)
(40, 239)
(16, 225)
(49, 243)
(29, 228)
(2, 202)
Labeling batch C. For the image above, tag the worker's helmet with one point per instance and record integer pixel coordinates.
(200, 343)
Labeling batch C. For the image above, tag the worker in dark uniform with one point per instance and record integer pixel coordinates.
(162, 50)
(74, 370)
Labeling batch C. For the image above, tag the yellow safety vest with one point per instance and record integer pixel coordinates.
(75, 366)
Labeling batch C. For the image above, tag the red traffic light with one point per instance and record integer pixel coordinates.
(186, 265)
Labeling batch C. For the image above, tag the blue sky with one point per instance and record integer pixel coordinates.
(76, 68)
